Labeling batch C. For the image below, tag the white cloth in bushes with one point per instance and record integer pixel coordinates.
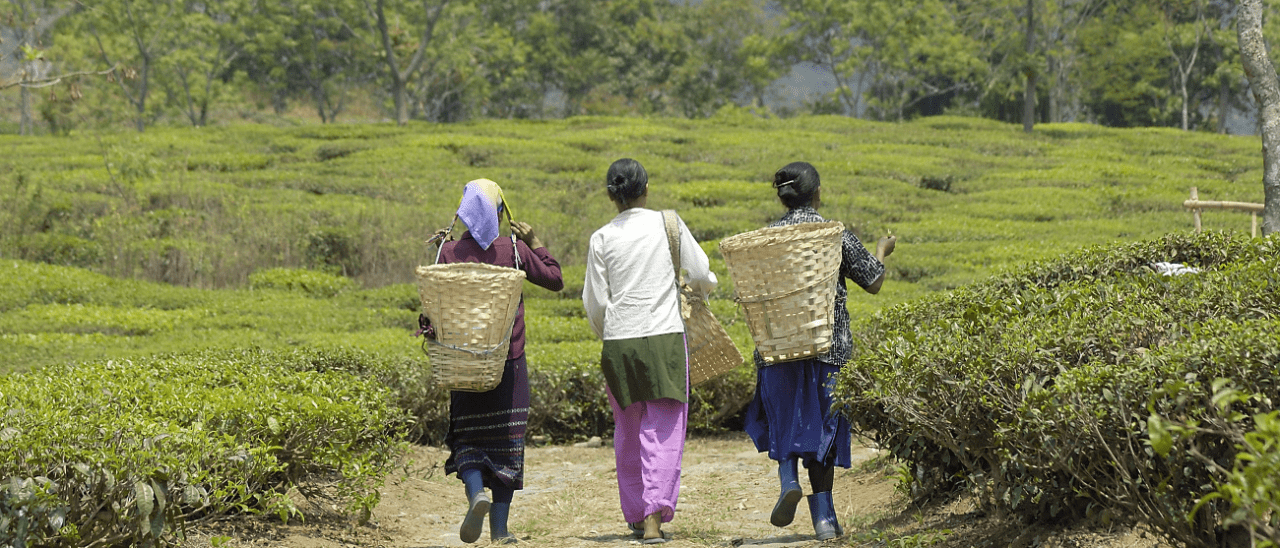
(1174, 269)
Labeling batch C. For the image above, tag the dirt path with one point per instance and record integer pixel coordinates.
(570, 500)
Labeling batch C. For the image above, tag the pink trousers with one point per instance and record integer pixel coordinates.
(648, 442)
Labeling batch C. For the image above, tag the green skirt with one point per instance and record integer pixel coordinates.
(646, 368)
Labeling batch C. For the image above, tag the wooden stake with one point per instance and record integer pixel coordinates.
(1195, 196)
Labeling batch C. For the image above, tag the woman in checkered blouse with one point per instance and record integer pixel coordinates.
(790, 415)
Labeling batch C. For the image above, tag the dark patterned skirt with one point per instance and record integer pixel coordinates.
(486, 429)
(791, 416)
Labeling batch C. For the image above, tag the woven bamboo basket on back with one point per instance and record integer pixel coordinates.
(472, 307)
(711, 350)
(785, 278)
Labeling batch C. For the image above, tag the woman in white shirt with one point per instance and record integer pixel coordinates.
(632, 303)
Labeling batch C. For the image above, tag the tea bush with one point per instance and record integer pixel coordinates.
(247, 209)
(51, 315)
(238, 199)
(310, 282)
(128, 452)
(1033, 387)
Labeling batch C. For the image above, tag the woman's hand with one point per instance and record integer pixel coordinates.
(523, 231)
(884, 247)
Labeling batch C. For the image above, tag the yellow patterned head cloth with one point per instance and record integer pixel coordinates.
(482, 203)
(494, 192)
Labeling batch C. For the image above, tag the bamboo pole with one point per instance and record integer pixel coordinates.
(1195, 211)
(1238, 206)
(1196, 205)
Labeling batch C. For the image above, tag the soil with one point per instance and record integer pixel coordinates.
(727, 491)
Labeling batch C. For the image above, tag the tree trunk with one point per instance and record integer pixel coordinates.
(141, 104)
(1266, 90)
(1055, 86)
(399, 77)
(402, 100)
(1029, 98)
(27, 125)
(1224, 105)
(1186, 98)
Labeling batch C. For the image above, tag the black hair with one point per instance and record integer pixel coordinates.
(796, 183)
(626, 181)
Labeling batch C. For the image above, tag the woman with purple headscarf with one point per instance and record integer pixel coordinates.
(486, 429)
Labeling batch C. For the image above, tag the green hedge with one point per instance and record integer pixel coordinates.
(1034, 388)
(127, 452)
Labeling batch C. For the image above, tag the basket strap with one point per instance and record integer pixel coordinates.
(773, 296)
(476, 353)
(673, 240)
(516, 250)
(442, 236)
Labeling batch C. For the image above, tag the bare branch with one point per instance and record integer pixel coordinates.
(46, 82)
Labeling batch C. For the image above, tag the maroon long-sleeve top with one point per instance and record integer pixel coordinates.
(538, 265)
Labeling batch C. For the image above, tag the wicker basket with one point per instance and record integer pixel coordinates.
(472, 307)
(711, 350)
(784, 278)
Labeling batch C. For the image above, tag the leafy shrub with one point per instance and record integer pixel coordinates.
(1250, 486)
(113, 453)
(1032, 387)
(60, 249)
(333, 249)
(310, 282)
(567, 398)
(338, 149)
(227, 161)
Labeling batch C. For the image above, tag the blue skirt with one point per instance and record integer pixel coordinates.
(791, 417)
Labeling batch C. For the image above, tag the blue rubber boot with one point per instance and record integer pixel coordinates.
(823, 511)
(498, 533)
(785, 510)
(477, 505)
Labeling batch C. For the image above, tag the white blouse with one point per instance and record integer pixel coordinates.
(630, 289)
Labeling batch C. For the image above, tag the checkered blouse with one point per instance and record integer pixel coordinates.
(858, 265)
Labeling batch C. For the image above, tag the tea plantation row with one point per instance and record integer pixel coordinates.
(1091, 385)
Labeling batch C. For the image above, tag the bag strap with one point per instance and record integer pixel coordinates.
(669, 221)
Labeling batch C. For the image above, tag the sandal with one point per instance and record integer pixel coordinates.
(652, 529)
(657, 540)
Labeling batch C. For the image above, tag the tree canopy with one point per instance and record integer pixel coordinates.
(1119, 63)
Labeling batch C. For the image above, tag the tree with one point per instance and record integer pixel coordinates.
(136, 35)
(1061, 22)
(566, 50)
(28, 23)
(904, 57)
(1124, 87)
(394, 40)
(300, 48)
(1030, 70)
(1184, 41)
(212, 40)
(1266, 90)
(1227, 76)
(730, 58)
(644, 45)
